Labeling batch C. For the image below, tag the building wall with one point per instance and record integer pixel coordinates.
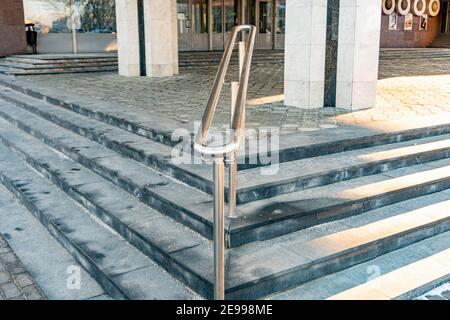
(409, 38)
(12, 29)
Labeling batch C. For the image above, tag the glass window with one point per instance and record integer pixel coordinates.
(216, 6)
(231, 14)
(57, 16)
(49, 16)
(94, 16)
(200, 16)
(183, 16)
(281, 16)
(265, 17)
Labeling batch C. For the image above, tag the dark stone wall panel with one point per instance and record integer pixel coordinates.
(409, 39)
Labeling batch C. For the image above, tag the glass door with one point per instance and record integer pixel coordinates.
(280, 24)
(264, 19)
(225, 15)
(184, 25)
(192, 17)
(199, 14)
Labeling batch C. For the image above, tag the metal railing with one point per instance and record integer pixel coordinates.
(226, 154)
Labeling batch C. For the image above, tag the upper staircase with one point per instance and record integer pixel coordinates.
(342, 201)
(443, 41)
(58, 63)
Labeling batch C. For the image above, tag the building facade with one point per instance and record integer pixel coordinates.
(331, 47)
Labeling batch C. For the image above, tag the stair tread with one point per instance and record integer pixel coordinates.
(129, 269)
(361, 274)
(43, 257)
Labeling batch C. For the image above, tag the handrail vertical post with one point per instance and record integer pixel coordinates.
(219, 229)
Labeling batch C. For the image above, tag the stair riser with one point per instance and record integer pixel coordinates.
(259, 193)
(190, 278)
(46, 72)
(160, 164)
(30, 67)
(329, 265)
(276, 229)
(57, 231)
(158, 136)
(59, 61)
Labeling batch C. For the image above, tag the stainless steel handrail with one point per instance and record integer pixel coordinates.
(226, 154)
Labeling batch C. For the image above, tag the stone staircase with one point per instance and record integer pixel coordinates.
(443, 41)
(56, 64)
(199, 59)
(344, 201)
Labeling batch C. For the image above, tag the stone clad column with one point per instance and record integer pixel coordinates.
(331, 53)
(160, 39)
(305, 53)
(128, 38)
(358, 54)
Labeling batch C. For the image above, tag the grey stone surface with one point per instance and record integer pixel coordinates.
(333, 284)
(102, 252)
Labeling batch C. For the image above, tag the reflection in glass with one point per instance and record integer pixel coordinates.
(216, 6)
(200, 16)
(182, 16)
(265, 16)
(57, 16)
(281, 16)
(231, 16)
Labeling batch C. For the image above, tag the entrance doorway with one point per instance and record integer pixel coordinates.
(206, 24)
(270, 18)
(192, 17)
(445, 17)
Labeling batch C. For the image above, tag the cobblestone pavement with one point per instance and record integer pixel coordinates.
(15, 282)
(407, 88)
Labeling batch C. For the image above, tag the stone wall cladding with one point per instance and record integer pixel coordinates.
(12, 34)
(409, 39)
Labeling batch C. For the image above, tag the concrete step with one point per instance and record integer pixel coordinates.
(291, 147)
(16, 71)
(148, 152)
(62, 59)
(44, 258)
(259, 220)
(123, 271)
(403, 274)
(42, 64)
(295, 258)
(71, 66)
(430, 53)
(307, 173)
